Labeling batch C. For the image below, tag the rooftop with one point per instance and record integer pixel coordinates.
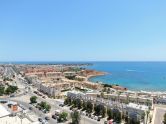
(136, 106)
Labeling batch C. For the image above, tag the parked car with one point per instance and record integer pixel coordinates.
(92, 116)
(40, 119)
(47, 118)
(89, 115)
(34, 104)
(35, 92)
(98, 119)
(95, 117)
(30, 108)
(54, 116)
(44, 122)
(84, 113)
(12, 95)
(61, 105)
(39, 94)
(57, 112)
(12, 115)
(44, 111)
(105, 122)
(71, 107)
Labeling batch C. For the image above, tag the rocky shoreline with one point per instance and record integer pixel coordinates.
(95, 73)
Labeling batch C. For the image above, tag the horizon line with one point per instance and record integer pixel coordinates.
(84, 61)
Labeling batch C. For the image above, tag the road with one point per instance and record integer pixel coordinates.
(23, 98)
(36, 111)
(54, 106)
(9, 72)
(158, 115)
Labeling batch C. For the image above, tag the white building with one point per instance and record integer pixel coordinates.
(54, 74)
(136, 111)
(69, 74)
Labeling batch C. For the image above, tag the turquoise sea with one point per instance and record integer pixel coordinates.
(149, 76)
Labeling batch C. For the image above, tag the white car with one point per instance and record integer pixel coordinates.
(44, 122)
(95, 117)
(92, 116)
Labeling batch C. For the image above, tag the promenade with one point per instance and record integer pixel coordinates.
(159, 111)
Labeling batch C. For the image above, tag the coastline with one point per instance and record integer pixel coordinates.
(96, 75)
(114, 86)
(99, 73)
(140, 91)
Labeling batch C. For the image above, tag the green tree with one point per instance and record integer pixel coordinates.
(100, 110)
(143, 116)
(74, 102)
(84, 105)
(147, 115)
(33, 99)
(97, 109)
(103, 112)
(89, 107)
(133, 121)
(105, 89)
(79, 103)
(118, 93)
(126, 118)
(47, 107)
(44, 105)
(108, 90)
(63, 117)
(2, 90)
(102, 94)
(148, 102)
(117, 115)
(66, 101)
(76, 117)
(164, 121)
(109, 113)
(11, 89)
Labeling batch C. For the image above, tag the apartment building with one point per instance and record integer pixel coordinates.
(53, 89)
(54, 74)
(69, 74)
(134, 110)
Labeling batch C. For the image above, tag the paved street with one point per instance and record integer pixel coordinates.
(24, 95)
(54, 106)
(9, 72)
(158, 115)
(36, 111)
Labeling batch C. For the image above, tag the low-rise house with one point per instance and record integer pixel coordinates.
(136, 111)
(31, 78)
(69, 74)
(54, 74)
(53, 88)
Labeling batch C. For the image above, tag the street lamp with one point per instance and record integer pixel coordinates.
(22, 116)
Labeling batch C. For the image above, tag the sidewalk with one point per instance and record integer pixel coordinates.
(158, 114)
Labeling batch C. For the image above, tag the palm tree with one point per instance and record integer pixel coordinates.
(128, 100)
(76, 117)
(137, 100)
(102, 94)
(147, 116)
(118, 96)
(164, 121)
(148, 102)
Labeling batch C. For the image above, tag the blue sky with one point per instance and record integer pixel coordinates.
(83, 30)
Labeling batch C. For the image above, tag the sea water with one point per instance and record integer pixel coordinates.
(149, 76)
